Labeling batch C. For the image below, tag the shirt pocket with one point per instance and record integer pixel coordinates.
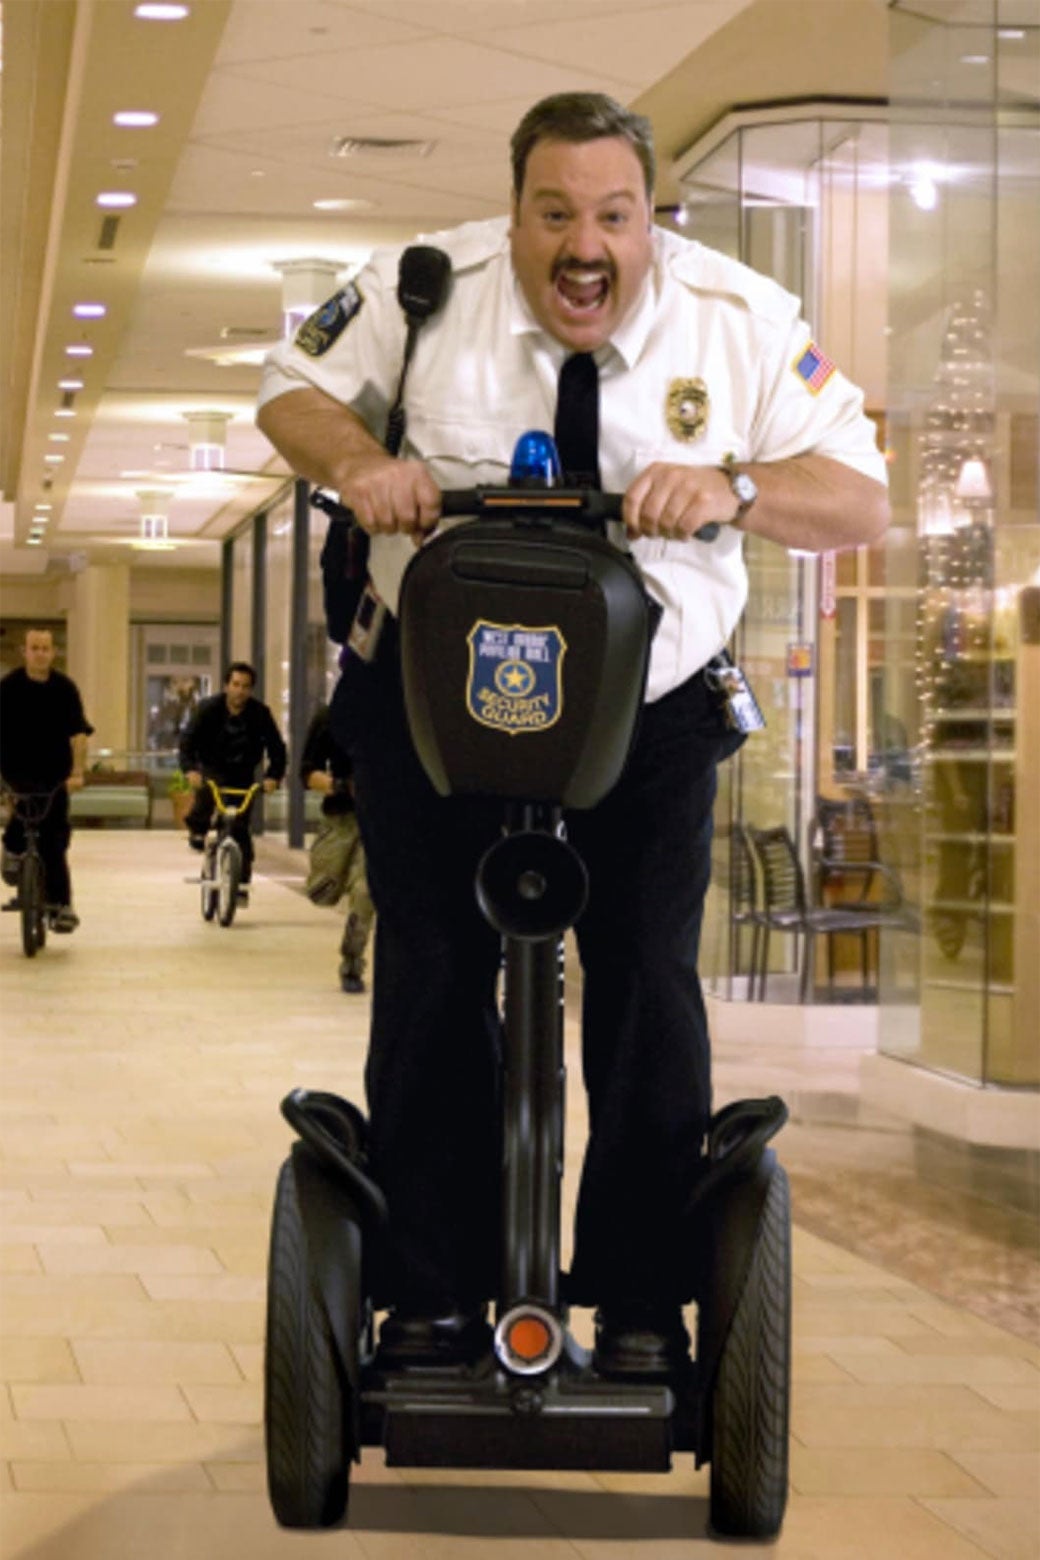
(461, 452)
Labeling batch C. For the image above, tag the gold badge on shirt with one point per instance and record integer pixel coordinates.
(686, 409)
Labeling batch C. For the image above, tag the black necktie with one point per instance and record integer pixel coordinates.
(577, 421)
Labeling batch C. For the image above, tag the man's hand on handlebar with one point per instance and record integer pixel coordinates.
(389, 496)
(674, 502)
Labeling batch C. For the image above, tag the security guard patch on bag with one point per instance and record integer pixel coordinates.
(515, 676)
(317, 334)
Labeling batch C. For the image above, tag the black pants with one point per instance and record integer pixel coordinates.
(197, 821)
(54, 835)
(432, 1068)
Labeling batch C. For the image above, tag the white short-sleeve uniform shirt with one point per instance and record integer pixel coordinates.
(709, 362)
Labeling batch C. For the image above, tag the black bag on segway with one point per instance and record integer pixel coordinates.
(422, 279)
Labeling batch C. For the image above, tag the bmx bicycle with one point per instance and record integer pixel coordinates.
(30, 901)
(536, 1399)
(221, 877)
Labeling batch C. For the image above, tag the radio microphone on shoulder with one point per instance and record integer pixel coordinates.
(422, 279)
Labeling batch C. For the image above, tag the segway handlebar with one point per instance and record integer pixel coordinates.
(586, 505)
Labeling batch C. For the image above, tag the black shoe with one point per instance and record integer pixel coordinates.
(10, 867)
(350, 979)
(196, 842)
(243, 895)
(63, 919)
(640, 1339)
(455, 1338)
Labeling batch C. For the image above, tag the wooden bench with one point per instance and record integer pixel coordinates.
(113, 796)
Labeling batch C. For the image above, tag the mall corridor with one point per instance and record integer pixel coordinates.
(142, 1064)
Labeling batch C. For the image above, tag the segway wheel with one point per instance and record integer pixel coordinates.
(751, 1403)
(30, 897)
(229, 875)
(308, 1456)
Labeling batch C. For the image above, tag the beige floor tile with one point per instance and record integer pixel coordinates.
(238, 1405)
(101, 1360)
(824, 1528)
(1006, 1529)
(884, 1471)
(134, 1404)
(37, 1359)
(1014, 1474)
(104, 1478)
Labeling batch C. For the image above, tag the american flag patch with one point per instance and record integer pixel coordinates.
(813, 367)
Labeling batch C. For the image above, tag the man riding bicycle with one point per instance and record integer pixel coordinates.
(226, 740)
(43, 749)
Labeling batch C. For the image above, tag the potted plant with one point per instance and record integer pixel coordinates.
(181, 795)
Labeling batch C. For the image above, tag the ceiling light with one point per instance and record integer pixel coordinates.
(207, 436)
(1011, 34)
(77, 350)
(58, 438)
(70, 384)
(89, 311)
(54, 460)
(114, 200)
(974, 59)
(39, 504)
(33, 541)
(65, 411)
(344, 204)
(135, 118)
(150, 12)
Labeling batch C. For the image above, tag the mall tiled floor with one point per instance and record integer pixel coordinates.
(142, 1064)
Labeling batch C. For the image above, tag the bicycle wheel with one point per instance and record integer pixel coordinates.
(30, 898)
(208, 884)
(751, 1401)
(229, 875)
(305, 1397)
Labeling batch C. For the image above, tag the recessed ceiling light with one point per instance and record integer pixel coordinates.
(65, 411)
(89, 311)
(135, 118)
(33, 541)
(161, 13)
(114, 200)
(70, 384)
(39, 504)
(54, 460)
(77, 350)
(344, 204)
(59, 438)
(1012, 34)
(974, 59)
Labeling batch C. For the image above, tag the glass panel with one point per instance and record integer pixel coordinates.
(241, 637)
(277, 610)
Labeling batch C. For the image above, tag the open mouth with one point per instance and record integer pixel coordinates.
(581, 291)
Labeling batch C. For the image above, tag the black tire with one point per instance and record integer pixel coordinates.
(31, 900)
(208, 884)
(229, 876)
(305, 1398)
(751, 1403)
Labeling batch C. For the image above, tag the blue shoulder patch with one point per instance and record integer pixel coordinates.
(317, 334)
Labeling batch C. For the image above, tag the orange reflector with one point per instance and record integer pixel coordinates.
(528, 1338)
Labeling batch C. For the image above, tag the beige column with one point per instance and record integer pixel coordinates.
(99, 650)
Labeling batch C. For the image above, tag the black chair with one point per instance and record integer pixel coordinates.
(848, 870)
(785, 908)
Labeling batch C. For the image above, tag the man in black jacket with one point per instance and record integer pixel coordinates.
(226, 741)
(43, 748)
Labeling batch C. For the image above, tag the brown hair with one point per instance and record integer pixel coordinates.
(581, 116)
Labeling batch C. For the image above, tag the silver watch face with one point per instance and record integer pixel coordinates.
(744, 488)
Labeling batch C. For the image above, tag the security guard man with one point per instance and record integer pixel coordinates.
(713, 405)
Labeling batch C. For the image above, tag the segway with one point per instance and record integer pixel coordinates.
(524, 642)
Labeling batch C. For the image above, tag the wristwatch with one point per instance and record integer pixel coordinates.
(745, 489)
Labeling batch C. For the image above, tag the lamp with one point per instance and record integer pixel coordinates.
(207, 436)
(305, 284)
(973, 484)
(155, 505)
